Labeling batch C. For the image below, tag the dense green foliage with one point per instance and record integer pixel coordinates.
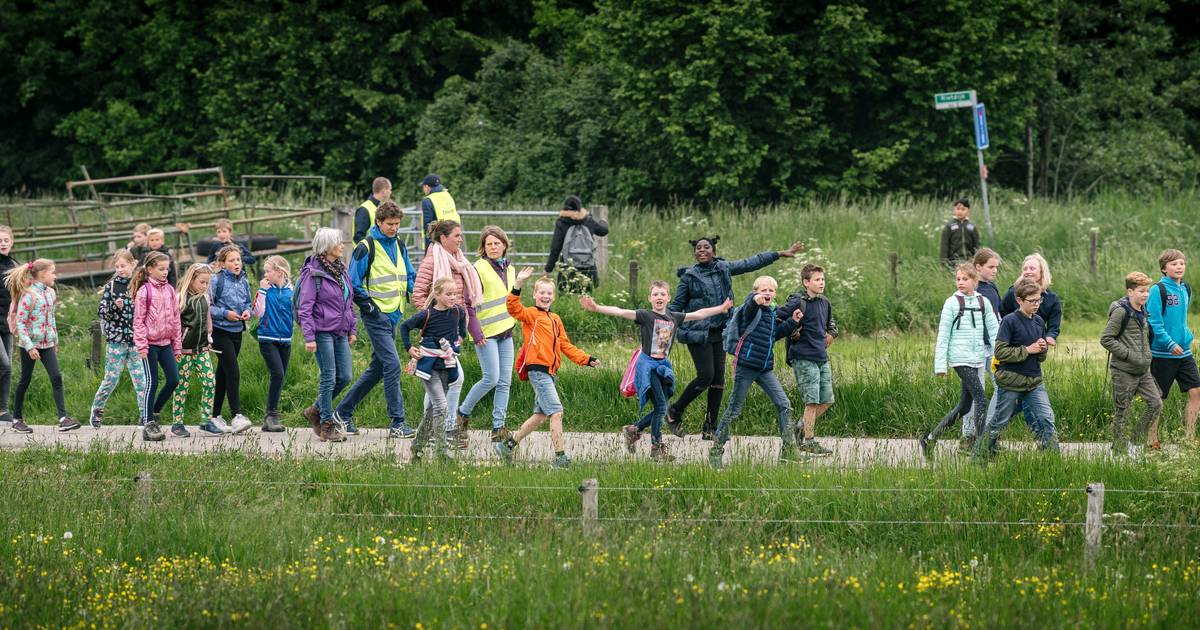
(626, 100)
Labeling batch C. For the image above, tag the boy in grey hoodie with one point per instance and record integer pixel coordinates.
(1126, 336)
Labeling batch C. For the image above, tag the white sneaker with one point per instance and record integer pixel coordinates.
(241, 423)
(219, 422)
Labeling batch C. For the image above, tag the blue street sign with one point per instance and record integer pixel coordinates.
(981, 132)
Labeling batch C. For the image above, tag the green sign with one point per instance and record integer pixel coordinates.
(952, 100)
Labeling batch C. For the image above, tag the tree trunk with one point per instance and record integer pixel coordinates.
(1029, 160)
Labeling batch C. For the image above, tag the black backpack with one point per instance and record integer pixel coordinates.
(296, 296)
(962, 307)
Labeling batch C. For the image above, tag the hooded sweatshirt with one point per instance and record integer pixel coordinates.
(1169, 322)
(229, 293)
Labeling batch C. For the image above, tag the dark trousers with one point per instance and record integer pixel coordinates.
(6, 355)
(227, 346)
(709, 358)
(276, 355)
(161, 356)
(49, 360)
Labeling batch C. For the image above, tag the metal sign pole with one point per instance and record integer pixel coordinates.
(967, 99)
(987, 211)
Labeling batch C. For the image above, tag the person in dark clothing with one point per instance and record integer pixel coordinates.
(1034, 267)
(574, 245)
(960, 239)
(156, 242)
(708, 283)
(364, 215)
(987, 263)
(6, 337)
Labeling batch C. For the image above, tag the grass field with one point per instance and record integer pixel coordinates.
(226, 540)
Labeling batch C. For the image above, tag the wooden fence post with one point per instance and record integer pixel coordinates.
(894, 260)
(343, 219)
(1094, 524)
(590, 491)
(96, 359)
(142, 482)
(601, 214)
(633, 282)
(1093, 235)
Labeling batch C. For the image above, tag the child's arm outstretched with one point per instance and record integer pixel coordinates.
(519, 311)
(705, 313)
(579, 357)
(590, 305)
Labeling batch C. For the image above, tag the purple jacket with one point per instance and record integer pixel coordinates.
(329, 309)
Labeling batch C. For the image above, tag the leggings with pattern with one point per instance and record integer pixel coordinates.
(119, 357)
(200, 366)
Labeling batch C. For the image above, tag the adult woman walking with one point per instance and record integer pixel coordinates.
(708, 283)
(497, 276)
(325, 308)
(445, 259)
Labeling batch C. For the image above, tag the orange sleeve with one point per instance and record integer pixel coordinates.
(566, 347)
(519, 311)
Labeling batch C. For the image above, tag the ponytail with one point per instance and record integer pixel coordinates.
(18, 278)
(141, 275)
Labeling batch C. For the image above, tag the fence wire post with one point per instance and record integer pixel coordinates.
(96, 359)
(600, 212)
(142, 482)
(633, 282)
(590, 491)
(894, 262)
(1094, 524)
(1093, 236)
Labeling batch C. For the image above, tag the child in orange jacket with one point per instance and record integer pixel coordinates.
(545, 340)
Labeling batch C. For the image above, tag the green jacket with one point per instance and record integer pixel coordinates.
(1130, 348)
(1012, 381)
(195, 320)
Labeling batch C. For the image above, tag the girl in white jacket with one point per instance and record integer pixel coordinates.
(966, 332)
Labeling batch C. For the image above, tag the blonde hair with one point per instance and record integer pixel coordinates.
(1044, 283)
(494, 231)
(1137, 279)
(143, 272)
(968, 269)
(659, 284)
(155, 232)
(438, 288)
(763, 281)
(224, 253)
(545, 279)
(142, 227)
(6, 230)
(121, 254)
(225, 224)
(185, 283)
(18, 278)
(280, 263)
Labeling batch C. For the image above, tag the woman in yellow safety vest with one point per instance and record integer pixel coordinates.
(445, 259)
(496, 355)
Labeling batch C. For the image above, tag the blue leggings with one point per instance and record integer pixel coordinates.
(162, 356)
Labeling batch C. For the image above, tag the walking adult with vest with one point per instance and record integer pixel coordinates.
(498, 277)
(574, 243)
(381, 275)
(324, 306)
(445, 259)
(437, 205)
(364, 215)
(707, 283)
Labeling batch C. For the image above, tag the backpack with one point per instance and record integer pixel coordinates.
(962, 307)
(802, 306)
(579, 248)
(1162, 294)
(732, 338)
(296, 297)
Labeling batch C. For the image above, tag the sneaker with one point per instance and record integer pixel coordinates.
(211, 429)
(675, 425)
(504, 451)
(65, 424)
(96, 418)
(812, 447)
(501, 434)
(561, 462)
(180, 431)
(346, 427)
(658, 452)
(219, 423)
(966, 445)
(926, 442)
(631, 435)
(19, 426)
(271, 423)
(313, 415)
(461, 439)
(240, 424)
(330, 432)
(152, 432)
(401, 431)
(715, 456)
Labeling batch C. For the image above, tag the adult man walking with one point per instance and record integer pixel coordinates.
(364, 215)
(437, 205)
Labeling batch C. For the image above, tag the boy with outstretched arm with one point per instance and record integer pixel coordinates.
(1127, 339)
(539, 357)
(1171, 342)
(807, 353)
(1020, 348)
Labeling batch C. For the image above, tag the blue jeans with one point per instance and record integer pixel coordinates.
(1038, 414)
(333, 359)
(496, 361)
(658, 408)
(545, 393)
(164, 356)
(385, 366)
(743, 378)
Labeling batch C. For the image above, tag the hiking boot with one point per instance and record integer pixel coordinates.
(461, 438)
(180, 431)
(66, 423)
(966, 444)
(240, 424)
(715, 455)
(152, 432)
(271, 423)
(631, 435)
(504, 451)
(19, 426)
(401, 431)
(211, 429)
(501, 434)
(330, 432)
(313, 415)
(675, 424)
(219, 423)
(561, 462)
(789, 453)
(926, 442)
(96, 420)
(658, 452)
(812, 447)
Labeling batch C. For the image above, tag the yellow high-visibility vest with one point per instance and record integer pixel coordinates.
(443, 206)
(492, 312)
(371, 207)
(387, 281)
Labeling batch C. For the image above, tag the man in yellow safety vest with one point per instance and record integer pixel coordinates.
(364, 215)
(437, 205)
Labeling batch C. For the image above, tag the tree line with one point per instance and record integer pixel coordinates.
(654, 101)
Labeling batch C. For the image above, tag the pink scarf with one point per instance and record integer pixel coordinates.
(445, 265)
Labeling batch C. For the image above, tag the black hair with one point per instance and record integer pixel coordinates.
(965, 202)
(712, 240)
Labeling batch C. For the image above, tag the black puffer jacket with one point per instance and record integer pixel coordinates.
(710, 284)
(6, 263)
